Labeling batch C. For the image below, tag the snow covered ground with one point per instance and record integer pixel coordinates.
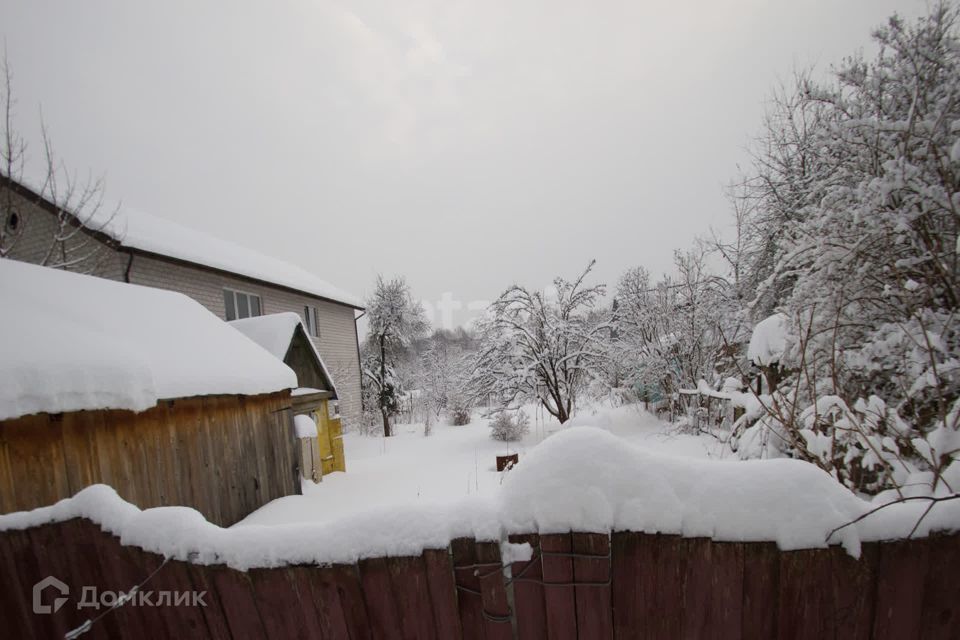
(452, 463)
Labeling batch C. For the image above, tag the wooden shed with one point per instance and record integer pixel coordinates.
(285, 337)
(138, 388)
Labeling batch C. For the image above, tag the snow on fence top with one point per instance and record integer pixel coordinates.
(582, 479)
(72, 342)
(769, 340)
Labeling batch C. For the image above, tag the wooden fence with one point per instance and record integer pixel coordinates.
(225, 456)
(595, 586)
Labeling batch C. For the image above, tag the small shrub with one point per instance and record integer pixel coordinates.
(509, 428)
(370, 423)
(459, 412)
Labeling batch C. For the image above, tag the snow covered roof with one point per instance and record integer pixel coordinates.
(72, 342)
(769, 340)
(145, 232)
(274, 332)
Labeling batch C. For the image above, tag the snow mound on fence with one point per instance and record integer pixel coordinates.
(183, 533)
(585, 479)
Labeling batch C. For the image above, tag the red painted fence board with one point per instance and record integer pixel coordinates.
(761, 577)
(560, 601)
(591, 568)
(443, 593)
(941, 593)
(497, 614)
(901, 573)
(528, 599)
(469, 597)
(408, 577)
(382, 608)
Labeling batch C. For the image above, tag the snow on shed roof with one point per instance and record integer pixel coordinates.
(145, 232)
(72, 342)
(274, 332)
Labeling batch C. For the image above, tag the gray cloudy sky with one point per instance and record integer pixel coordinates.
(466, 145)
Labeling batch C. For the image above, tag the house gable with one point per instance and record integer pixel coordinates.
(302, 357)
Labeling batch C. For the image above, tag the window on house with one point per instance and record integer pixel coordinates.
(240, 305)
(310, 320)
(13, 222)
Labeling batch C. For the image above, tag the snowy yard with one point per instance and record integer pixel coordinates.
(453, 462)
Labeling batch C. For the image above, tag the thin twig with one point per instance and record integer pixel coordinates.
(932, 499)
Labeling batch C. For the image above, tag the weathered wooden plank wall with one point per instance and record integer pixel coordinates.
(225, 456)
(628, 585)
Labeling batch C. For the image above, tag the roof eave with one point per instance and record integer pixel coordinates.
(109, 240)
(268, 283)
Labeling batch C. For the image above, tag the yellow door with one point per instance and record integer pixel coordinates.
(330, 438)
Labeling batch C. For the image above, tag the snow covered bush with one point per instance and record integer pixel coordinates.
(459, 411)
(509, 426)
(853, 235)
(670, 335)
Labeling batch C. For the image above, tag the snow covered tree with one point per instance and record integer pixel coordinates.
(78, 203)
(394, 321)
(673, 334)
(443, 370)
(540, 347)
(857, 210)
(642, 338)
(508, 426)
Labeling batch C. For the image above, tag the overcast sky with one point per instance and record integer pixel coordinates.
(465, 145)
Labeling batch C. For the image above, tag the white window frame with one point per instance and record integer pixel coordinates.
(236, 307)
(311, 320)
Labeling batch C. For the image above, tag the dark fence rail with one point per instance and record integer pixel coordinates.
(580, 585)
